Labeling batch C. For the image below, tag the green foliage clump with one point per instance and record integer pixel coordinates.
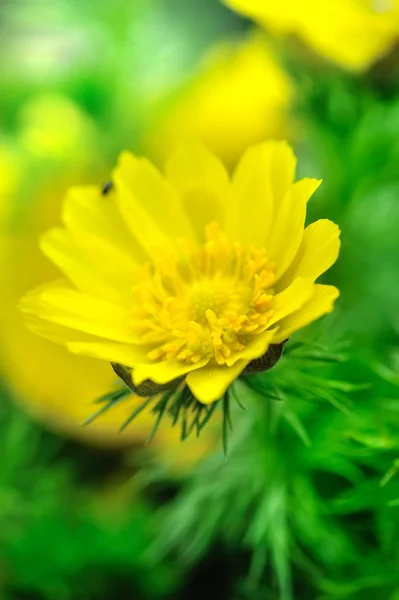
(71, 521)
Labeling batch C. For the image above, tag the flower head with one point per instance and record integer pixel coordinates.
(192, 275)
(351, 33)
(240, 95)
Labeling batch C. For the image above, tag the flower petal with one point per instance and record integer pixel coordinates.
(282, 168)
(319, 250)
(291, 299)
(255, 349)
(165, 371)
(56, 333)
(88, 314)
(93, 265)
(320, 303)
(123, 354)
(209, 384)
(346, 32)
(150, 206)
(202, 182)
(261, 180)
(288, 224)
(86, 212)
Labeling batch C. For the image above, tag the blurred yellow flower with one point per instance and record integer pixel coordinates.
(351, 33)
(44, 133)
(239, 97)
(190, 275)
(55, 386)
(9, 176)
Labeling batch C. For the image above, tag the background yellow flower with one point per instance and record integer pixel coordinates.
(351, 33)
(238, 96)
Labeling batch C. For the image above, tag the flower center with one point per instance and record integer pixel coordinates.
(204, 302)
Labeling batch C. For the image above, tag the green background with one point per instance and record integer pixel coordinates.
(307, 504)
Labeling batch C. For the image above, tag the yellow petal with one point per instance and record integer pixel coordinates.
(319, 250)
(93, 265)
(255, 349)
(70, 308)
(349, 32)
(86, 212)
(202, 182)
(282, 169)
(289, 222)
(150, 206)
(164, 371)
(209, 384)
(127, 355)
(261, 180)
(251, 187)
(250, 8)
(56, 333)
(291, 299)
(320, 303)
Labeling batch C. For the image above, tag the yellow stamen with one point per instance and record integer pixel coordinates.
(204, 302)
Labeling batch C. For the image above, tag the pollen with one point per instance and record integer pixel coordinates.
(204, 301)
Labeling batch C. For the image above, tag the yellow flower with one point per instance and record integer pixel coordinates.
(239, 96)
(9, 175)
(54, 386)
(352, 33)
(189, 275)
(52, 126)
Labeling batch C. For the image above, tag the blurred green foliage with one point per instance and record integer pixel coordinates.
(71, 522)
(307, 505)
(116, 60)
(312, 477)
